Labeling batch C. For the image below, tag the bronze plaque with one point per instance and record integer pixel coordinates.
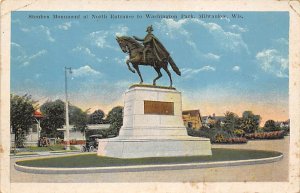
(158, 108)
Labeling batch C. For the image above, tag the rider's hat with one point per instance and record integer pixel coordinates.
(149, 28)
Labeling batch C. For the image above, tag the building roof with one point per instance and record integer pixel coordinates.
(37, 114)
(191, 112)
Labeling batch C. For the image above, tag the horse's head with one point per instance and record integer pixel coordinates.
(122, 43)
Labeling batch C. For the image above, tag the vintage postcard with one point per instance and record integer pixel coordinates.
(137, 96)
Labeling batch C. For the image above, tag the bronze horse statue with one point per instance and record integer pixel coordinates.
(135, 50)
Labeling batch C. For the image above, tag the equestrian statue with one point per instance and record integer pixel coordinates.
(150, 53)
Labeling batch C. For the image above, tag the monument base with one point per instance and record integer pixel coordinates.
(153, 127)
(138, 148)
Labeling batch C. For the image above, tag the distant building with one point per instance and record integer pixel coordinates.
(192, 119)
(212, 119)
(77, 137)
(283, 124)
(31, 138)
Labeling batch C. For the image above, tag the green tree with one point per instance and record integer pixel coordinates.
(231, 122)
(21, 116)
(250, 122)
(96, 117)
(270, 125)
(115, 118)
(53, 118)
(78, 118)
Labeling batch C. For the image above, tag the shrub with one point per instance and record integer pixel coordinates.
(115, 118)
(239, 132)
(266, 135)
(271, 125)
(203, 132)
(216, 135)
(221, 138)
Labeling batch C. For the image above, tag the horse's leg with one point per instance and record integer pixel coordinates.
(136, 67)
(127, 62)
(165, 67)
(158, 75)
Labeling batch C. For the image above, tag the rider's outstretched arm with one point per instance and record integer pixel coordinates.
(139, 39)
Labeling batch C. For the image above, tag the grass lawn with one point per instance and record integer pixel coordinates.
(92, 160)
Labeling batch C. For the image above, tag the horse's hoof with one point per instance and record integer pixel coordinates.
(154, 84)
(141, 82)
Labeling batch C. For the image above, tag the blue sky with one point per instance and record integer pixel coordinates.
(226, 64)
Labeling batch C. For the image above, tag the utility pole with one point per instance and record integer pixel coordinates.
(67, 109)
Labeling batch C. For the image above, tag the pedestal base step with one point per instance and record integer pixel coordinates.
(138, 148)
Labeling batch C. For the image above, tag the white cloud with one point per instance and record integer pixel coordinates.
(87, 52)
(172, 27)
(121, 61)
(27, 59)
(238, 28)
(16, 45)
(118, 60)
(98, 38)
(25, 29)
(273, 62)
(65, 26)
(207, 68)
(189, 72)
(228, 40)
(20, 55)
(122, 30)
(38, 54)
(192, 44)
(83, 49)
(282, 41)
(41, 29)
(225, 18)
(236, 68)
(212, 56)
(85, 71)
(46, 31)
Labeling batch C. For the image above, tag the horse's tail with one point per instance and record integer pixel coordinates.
(174, 67)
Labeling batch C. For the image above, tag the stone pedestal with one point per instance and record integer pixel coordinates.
(153, 127)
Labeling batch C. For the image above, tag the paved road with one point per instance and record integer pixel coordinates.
(277, 171)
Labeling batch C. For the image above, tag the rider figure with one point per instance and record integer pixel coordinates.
(147, 42)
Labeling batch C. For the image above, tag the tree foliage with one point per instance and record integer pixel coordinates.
(78, 118)
(270, 125)
(53, 118)
(96, 117)
(250, 122)
(115, 118)
(231, 122)
(21, 116)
